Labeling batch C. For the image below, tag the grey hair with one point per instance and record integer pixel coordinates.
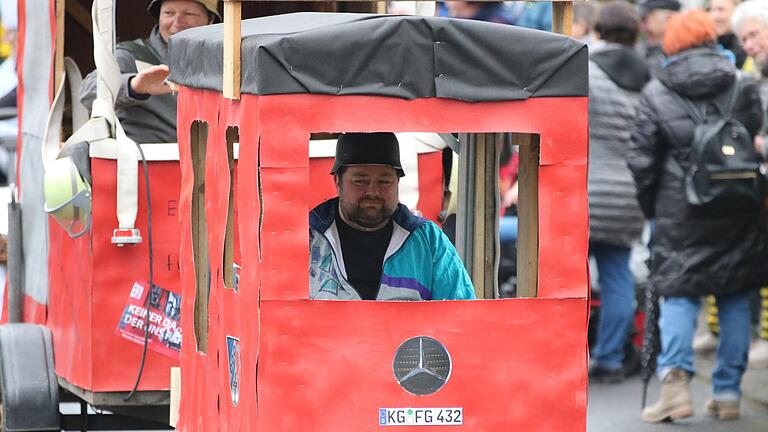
(751, 10)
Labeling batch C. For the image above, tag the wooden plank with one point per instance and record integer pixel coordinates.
(173, 417)
(199, 138)
(80, 14)
(232, 40)
(115, 399)
(562, 18)
(232, 136)
(491, 215)
(478, 273)
(58, 71)
(528, 215)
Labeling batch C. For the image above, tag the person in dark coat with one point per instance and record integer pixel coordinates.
(695, 252)
(617, 74)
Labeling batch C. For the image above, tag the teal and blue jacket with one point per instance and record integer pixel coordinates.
(420, 262)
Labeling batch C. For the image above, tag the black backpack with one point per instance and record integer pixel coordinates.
(725, 172)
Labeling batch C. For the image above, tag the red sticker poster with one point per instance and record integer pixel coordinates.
(164, 321)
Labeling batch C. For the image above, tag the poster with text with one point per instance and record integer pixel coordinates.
(163, 322)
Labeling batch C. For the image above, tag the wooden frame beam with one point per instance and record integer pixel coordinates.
(232, 39)
(528, 215)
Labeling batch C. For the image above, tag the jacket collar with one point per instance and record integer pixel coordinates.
(321, 217)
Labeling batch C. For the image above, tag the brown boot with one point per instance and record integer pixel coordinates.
(675, 401)
(724, 410)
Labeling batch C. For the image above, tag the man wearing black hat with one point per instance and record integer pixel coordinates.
(144, 104)
(654, 14)
(365, 245)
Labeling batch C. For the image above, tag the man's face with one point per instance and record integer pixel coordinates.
(178, 15)
(368, 195)
(655, 21)
(721, 11)
(754, 39)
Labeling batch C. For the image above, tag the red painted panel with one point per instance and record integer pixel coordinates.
(513, 369)
(115, 269)
(430, 185)
(70, 277)
(282, 342)
(200, 370)
(90, 281)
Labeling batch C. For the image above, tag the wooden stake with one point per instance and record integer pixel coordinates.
(479, 231)
(199, 143)
(528, 215)
(173, 418)
(562, 17)
(232, 41)
(58, 72)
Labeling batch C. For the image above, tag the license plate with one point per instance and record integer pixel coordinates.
(421, 416)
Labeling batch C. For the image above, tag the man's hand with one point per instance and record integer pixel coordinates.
(760, 144)
(151, 81)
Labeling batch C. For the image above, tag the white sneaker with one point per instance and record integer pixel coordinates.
(705, 342)
(758, 354)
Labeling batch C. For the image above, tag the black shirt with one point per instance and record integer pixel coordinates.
(363, 254)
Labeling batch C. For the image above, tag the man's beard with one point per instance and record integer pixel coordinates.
(367, 217)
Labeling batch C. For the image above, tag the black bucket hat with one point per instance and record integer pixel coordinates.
(374, 148)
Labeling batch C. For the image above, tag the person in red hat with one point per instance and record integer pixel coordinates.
(145, 106)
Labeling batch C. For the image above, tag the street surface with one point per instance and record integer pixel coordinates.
(616, 408)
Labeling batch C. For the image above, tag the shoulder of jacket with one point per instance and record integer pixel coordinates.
(406, 219)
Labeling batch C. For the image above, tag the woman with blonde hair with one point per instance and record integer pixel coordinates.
(697, 250)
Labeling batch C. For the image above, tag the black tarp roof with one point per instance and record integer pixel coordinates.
(401, 56)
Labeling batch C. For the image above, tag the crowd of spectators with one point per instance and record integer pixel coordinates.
(659, 71)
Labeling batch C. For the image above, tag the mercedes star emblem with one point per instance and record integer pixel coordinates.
(422, 365)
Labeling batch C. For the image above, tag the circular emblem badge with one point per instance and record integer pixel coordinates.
(422, 365)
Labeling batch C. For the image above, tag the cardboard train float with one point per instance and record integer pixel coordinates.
(230, 206)
(264, 356)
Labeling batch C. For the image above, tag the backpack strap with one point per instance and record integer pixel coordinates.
(698, 114)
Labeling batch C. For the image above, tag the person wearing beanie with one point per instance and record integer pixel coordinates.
(144, 104)
(654, 15)
(696, 251)
(365, 245)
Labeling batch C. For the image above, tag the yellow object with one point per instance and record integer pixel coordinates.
(749, 65)
(5, 47)
(67, 197)
(712, 319)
